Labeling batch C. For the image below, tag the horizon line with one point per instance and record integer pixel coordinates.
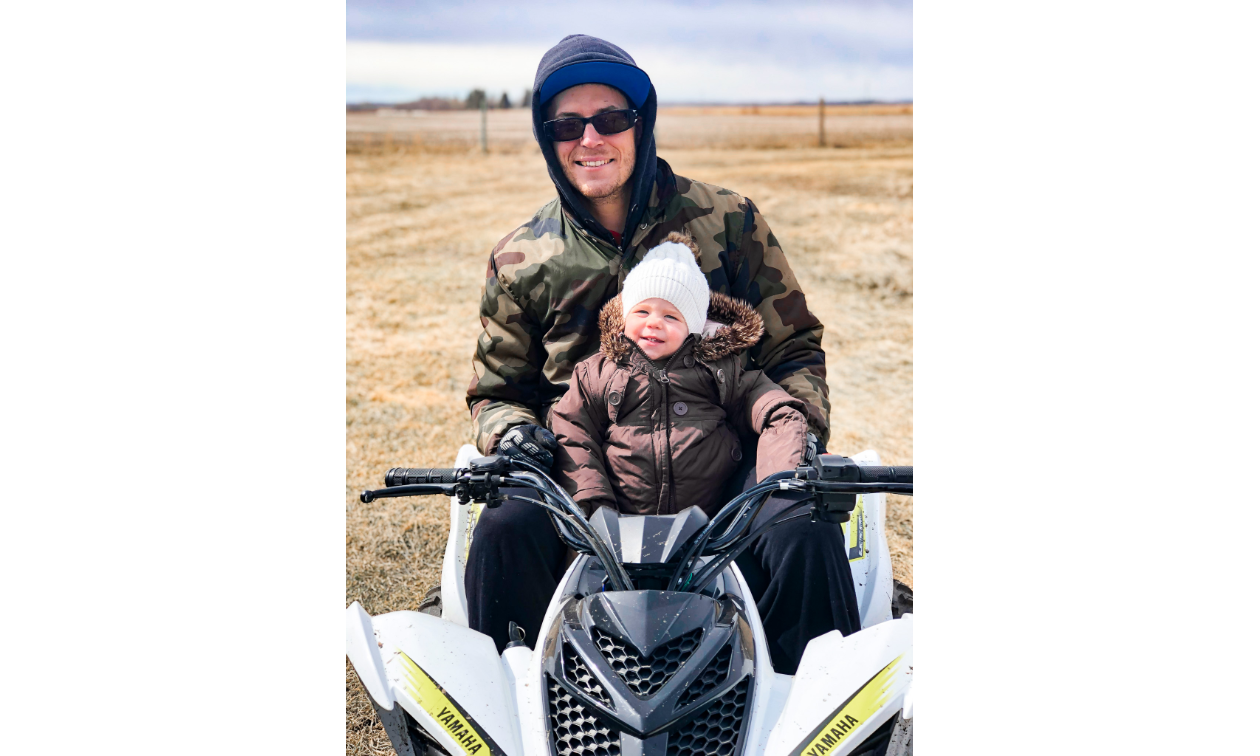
(671, 104)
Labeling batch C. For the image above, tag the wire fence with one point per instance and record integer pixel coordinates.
(678, 128)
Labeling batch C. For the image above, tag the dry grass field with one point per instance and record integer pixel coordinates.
(676, 127)
(420, 221)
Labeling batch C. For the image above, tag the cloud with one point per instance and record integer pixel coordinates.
(780, 26)
(440, 69)
(396, 72)
(694, 51)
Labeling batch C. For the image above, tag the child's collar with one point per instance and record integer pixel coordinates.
(738, 327)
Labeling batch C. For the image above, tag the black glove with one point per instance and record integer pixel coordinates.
(530, 443)
(811, 450)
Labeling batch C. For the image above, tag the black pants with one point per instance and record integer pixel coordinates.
(798, 573)
(515, 562)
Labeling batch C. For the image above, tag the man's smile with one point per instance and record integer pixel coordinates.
(593, 163)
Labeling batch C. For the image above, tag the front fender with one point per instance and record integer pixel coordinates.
(844, 689)
(450, 679)
(364, 652)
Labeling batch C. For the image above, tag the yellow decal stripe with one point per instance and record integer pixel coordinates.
(859, 708)
(448, 714)
(855, 531)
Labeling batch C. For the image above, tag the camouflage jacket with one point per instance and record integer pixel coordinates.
(547, 281)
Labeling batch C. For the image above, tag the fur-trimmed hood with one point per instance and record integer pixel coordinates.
(741, 328)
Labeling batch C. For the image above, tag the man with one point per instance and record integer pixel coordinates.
(594, 112)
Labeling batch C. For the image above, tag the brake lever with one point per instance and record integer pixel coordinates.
(416, 489)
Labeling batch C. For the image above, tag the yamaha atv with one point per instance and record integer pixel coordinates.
(652, 645)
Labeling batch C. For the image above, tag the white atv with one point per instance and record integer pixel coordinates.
(652, 645)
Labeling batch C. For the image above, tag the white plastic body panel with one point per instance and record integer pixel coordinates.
(869, 560)
(759, 722)
(780, 686)
(365, 655)
(529, 703)
(463, 662)
(454, 599)
(834, 668)
(530, 693)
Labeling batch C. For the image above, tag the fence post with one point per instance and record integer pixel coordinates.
(483, 125)
(822, 134)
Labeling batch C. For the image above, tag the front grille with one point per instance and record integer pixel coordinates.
(646, 676)
(575, 732)
(715, 732)
(712, 676)
(575, 671)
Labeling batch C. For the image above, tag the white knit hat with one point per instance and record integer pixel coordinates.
(669, 272)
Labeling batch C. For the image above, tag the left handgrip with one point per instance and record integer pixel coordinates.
(409, 476)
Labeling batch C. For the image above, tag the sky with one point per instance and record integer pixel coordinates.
(699, 51)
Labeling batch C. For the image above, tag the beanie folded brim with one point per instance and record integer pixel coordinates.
(670, 272)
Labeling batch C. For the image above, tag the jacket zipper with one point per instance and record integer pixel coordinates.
(662, 375)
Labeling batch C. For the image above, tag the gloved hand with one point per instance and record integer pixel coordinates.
(811, 450)
(531, 443)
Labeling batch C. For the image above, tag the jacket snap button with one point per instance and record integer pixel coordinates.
(689, 361)
(614, 398)
(736, 454)
(680, 408)
(721, 375)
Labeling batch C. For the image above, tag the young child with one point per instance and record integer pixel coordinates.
(651, 423)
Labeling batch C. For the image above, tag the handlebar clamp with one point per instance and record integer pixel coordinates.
(836, 507)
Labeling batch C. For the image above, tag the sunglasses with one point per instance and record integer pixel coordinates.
(610, 122)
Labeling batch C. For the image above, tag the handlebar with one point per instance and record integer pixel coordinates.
(482, 481)
(831, 485)
(406, 476)
(880, 474)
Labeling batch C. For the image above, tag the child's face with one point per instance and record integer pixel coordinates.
(657, 327)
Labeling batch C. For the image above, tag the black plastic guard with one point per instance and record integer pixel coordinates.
(647, 661)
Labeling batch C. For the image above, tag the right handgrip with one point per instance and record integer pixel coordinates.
(882, 474)
(408, 476)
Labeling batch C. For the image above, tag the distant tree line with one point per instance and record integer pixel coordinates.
(472, 102)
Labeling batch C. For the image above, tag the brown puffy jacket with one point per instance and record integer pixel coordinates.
(656, 439)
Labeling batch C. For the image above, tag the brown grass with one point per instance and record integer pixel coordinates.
(810, 111)
(419, 226)
(748, 127)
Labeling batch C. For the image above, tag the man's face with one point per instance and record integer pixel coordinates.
(597, 165)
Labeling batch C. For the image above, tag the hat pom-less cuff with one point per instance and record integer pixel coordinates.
(662, 285)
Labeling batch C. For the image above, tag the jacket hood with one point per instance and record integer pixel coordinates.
(743, 329)
(581, 48)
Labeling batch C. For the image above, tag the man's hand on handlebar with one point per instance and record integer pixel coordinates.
(531, 443)
(811, 450)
